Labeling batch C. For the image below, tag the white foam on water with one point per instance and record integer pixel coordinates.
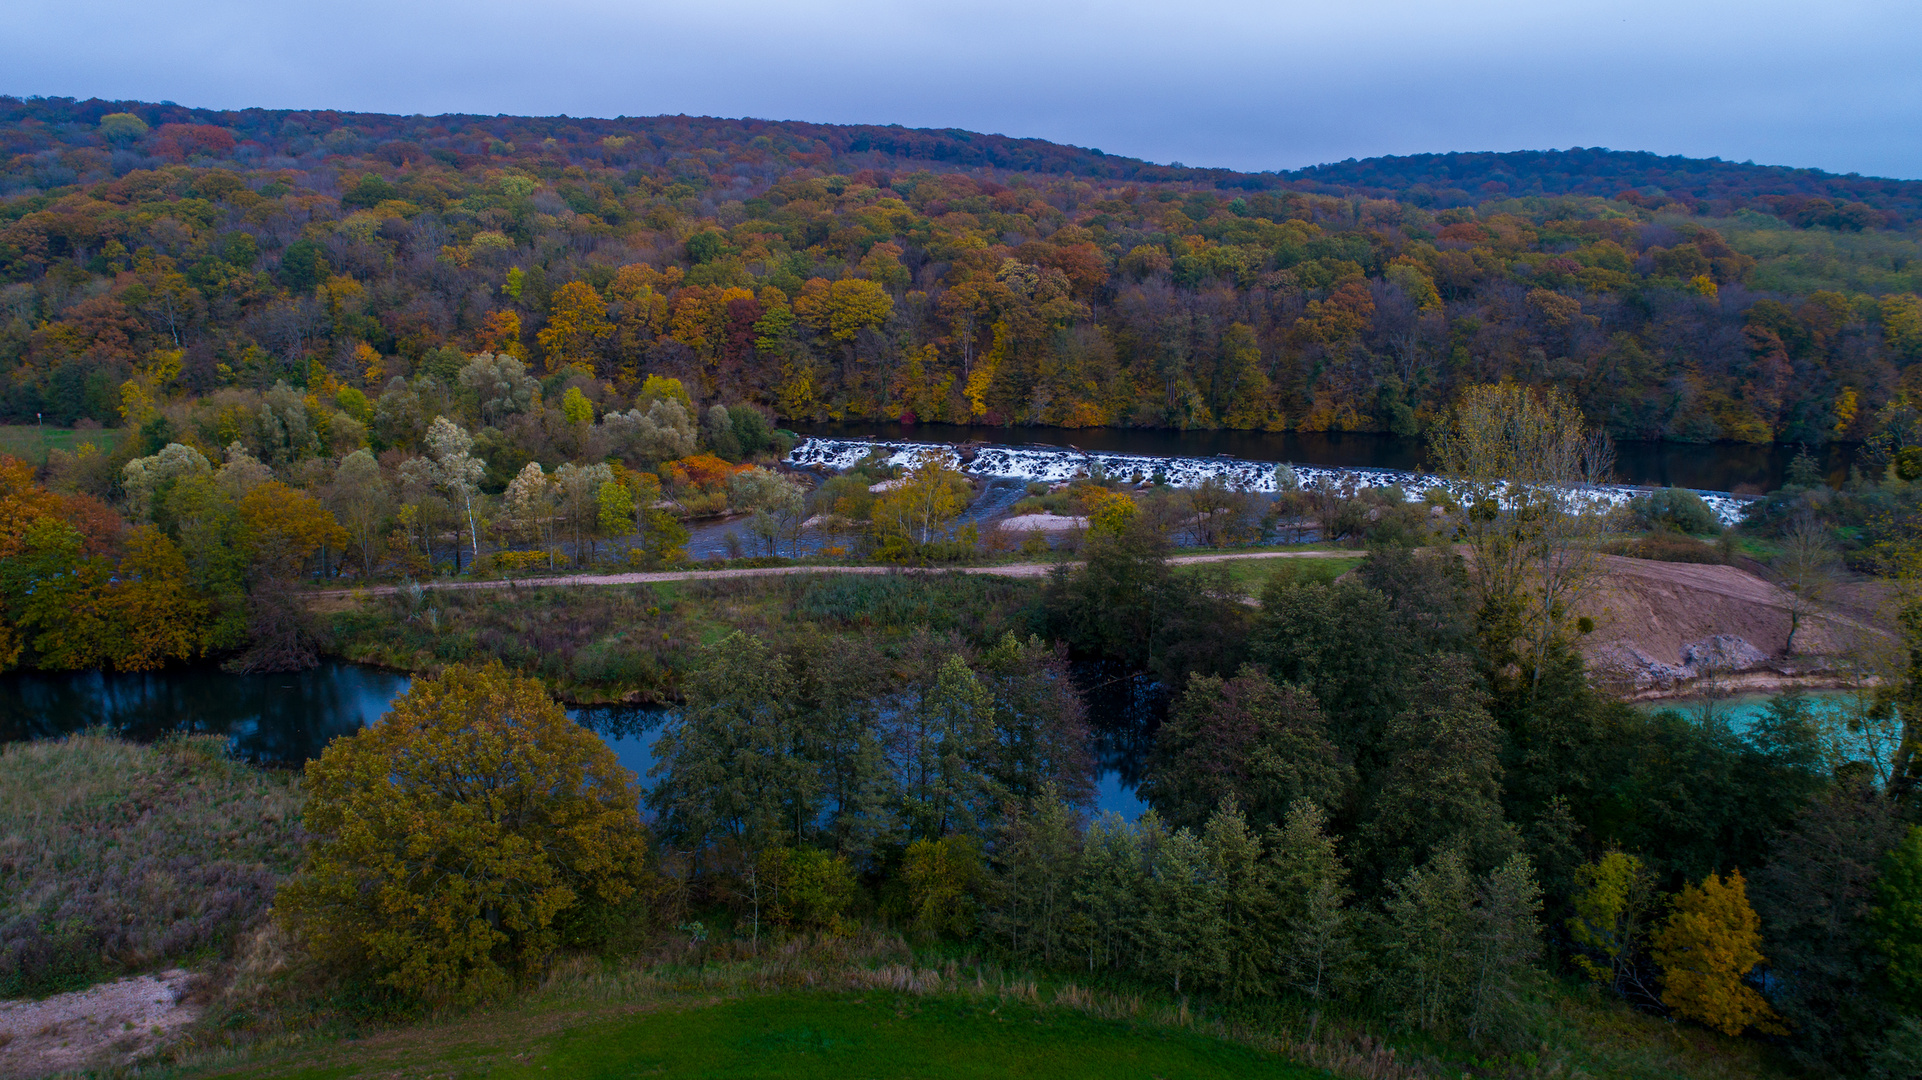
(1054, 466)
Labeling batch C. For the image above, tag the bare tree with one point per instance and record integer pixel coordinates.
(1805, 569)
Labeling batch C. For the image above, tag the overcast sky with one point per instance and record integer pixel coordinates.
(1835, 85)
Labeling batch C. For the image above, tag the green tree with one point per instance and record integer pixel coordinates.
(1816, 898)
(451, 840)
(361, 499)
(1243, 739)
(1507, 941)
(1183, 931)
(1442, 784)
(1426, 940)
(1248, 906)
(1897, 921)
(945, 743)
(730, 769)
(1314, 946)
(1028, 904)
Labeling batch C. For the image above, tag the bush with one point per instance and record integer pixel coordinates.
(455, 840)
(1676, 508)
(1670, 548)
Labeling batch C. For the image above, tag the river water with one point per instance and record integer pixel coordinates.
(1743, 468)
(286, 720)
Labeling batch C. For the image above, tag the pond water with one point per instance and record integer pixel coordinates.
(288, 719)
(1703, 466)
(1832, 710)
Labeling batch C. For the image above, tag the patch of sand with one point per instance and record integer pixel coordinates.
(103, 1026)
(1041, 523)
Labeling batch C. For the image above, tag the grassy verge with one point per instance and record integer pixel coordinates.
(117, 858)
(632, 643)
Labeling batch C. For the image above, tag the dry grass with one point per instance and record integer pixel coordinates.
(118, 858)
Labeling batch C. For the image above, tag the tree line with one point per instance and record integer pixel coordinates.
(171, 261)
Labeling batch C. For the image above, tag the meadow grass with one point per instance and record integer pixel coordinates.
(31, 443)
(830, 1036)
(118, 858)
(1251, 576)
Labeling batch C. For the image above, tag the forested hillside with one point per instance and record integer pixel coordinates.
(153, 254)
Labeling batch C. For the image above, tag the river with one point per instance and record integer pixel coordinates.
(1744, 468)
(286, 720)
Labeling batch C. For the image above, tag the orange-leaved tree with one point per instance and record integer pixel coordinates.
(1711, 940)
(463, 838)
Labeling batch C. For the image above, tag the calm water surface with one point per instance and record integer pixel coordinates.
(289, 719)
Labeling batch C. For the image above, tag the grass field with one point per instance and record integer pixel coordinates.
(32, 443)
(1251, 576)
(794, 1035)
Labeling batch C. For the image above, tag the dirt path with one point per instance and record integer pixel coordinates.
(108, 1025)
(1018, 570)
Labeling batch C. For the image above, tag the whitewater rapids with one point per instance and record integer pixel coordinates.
(1056, 465)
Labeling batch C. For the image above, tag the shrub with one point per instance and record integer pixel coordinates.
(520, 562)
(451, 837)
(1669, 548)
(1676, 508)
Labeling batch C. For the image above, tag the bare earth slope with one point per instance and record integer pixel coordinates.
(1648, 614)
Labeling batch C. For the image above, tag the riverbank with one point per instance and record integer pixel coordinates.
(622, 638)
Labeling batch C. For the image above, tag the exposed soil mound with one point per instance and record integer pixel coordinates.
(1660, 624)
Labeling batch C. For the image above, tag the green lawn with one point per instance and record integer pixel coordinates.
(31, 443)
(798, 1036)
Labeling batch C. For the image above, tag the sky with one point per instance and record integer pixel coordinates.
(1835, 85)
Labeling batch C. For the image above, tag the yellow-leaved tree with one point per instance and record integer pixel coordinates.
(919, 510)
(1711, 939)
(463, 838)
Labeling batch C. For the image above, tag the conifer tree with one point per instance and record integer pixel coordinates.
(1314, 948)
(1248, 909)
(1184, 937)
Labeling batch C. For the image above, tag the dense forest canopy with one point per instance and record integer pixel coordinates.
(155, 253)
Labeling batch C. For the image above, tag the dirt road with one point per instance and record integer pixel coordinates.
(1020, 570)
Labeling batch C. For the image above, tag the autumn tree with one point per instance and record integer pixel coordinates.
(459, 841)
(920, 509)
(1614, 902)
(1711, 940)
(576, 326)
(160, 615)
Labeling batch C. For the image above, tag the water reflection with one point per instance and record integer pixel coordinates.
(286, 720)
